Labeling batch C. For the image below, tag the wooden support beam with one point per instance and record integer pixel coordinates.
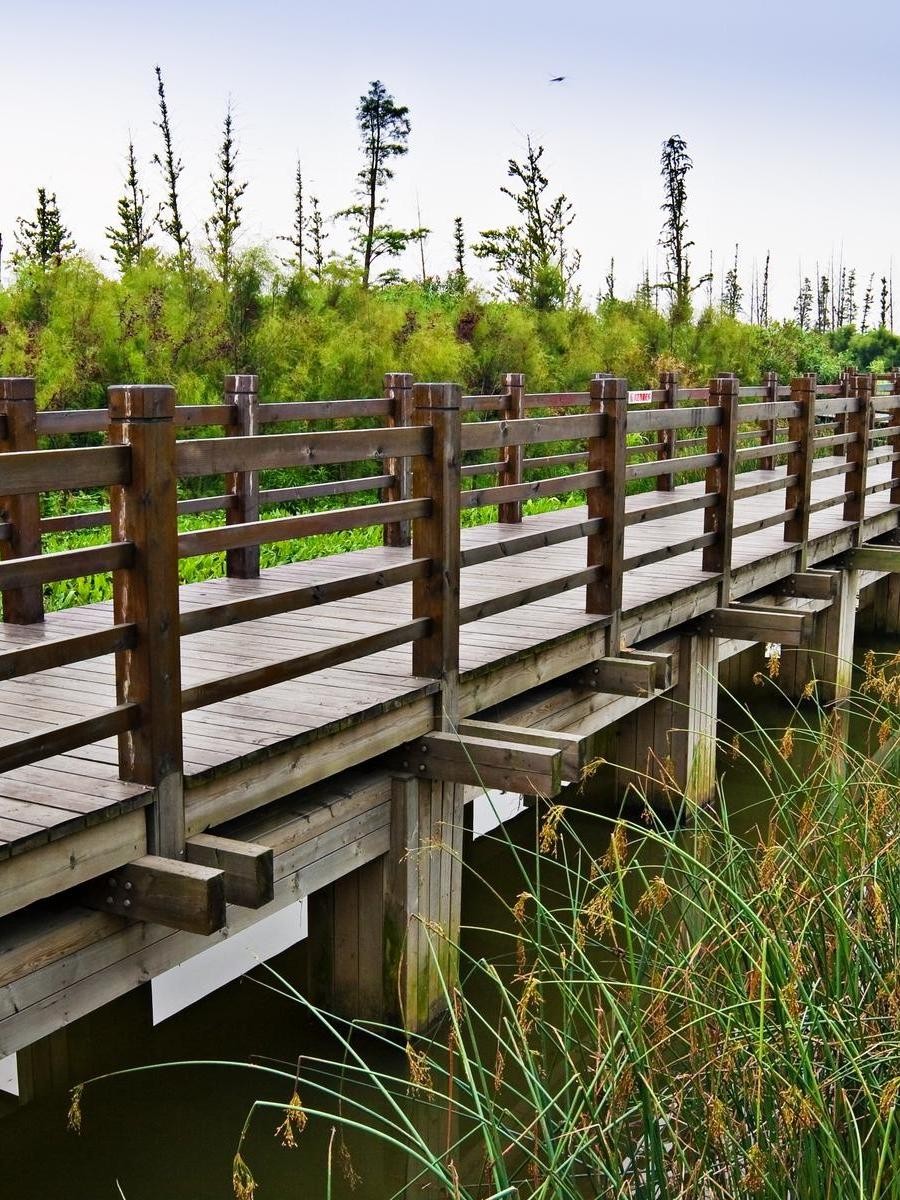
(812, 585)
(398, 390)
(163, 891)
(694, 717)
(769, 429)
(668, 382)
(22, 605)
(242, 396)
(606, 503)
(802, 431)
(511, 456)
(665, 662)
(484, 762)
(872, 558)
(721, 441)
(621, 676)
(758, 625)
(145, 594)
(248, 867)
(859, 423)
(576, 749)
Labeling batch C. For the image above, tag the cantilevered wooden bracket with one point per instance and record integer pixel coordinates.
(872, 558)
(812, 585)
(248, 867)
(758, 624)
(626, 675)
(486, 762)
(577, 749)
(165, 891)
(666, 663)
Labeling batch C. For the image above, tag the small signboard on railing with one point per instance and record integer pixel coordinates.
(640, 398)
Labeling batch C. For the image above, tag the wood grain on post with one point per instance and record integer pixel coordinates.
(606, 548)
(398, 389)
(894, 441)
(721, 440)
(144, 512)
(668, 382)
(436, 476)
(18, 431)
(768, 434)
(511, 471)
(802, 430)
(859, 425)
(242, 395)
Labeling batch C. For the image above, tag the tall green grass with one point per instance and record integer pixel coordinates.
(674, 1009)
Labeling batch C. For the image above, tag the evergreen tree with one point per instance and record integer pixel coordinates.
(884, 302)
(45, 240)
(132, 235)
(764, 296)
(222, 227)
(822, 304)
(868, 301)
(675, 164)
(169, 218)
(609, 282)
(644, 293)
(384, 133)
(459, 249)
(731, 289)
(297, 236)
(850, 298)
(803, 307)
(318, 237)
(532, 259)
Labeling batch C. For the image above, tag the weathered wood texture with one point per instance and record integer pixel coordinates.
(242, 396)
(18, 432)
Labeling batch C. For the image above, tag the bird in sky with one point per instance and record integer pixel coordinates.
(557, 79)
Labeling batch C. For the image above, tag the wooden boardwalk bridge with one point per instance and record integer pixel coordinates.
(184, 759)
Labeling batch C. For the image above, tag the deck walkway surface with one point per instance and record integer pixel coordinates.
(378, 695)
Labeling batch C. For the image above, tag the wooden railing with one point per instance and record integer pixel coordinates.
(426, 432)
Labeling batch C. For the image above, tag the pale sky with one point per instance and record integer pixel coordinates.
(789, 109)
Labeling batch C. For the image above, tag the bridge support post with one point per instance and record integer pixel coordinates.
(606, 549)
(398, 388)
(801, 430)
(668, 382)
(242, 393)
(145, 512)
(694, 717)
(859, 424)
(18, 431)
(721, 441)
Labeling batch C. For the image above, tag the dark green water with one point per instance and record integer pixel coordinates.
(171, 1134)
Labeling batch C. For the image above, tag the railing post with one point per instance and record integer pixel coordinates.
(242, 393)
(144, 512)
(24, 605)
(606, 548)
(859, 424)
(802, 430)
(721, 440)
(511, 471)
(894, 441)
(668, 382)
(398, 389)
(437, 477)
(768, 434)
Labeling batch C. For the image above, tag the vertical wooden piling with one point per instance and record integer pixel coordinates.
(510, 512)
(859, 425)
(242, 394)
(606, 501)
(144, 512)
(21, 605)
(721, 440)
(668, 382)
(398, 388)
(694, 716)
(801, 430)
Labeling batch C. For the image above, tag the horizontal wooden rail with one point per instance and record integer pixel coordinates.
(67, 564)
(489, 435)
(559, 485)
(255, 608)
(672, 466)
(322, 410)
(671, 508)
(643, 420)
(752, 453)
(557, 399)
(282, 529)
(554, 460)
(334, 487)
(529, 595)
(522, 543)
(661, 553)
(779, 518)
(767, 485)
(770, 411)
(229, 686)
(218, 456)
(28, 472)
(28, 660)
(69, 737)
